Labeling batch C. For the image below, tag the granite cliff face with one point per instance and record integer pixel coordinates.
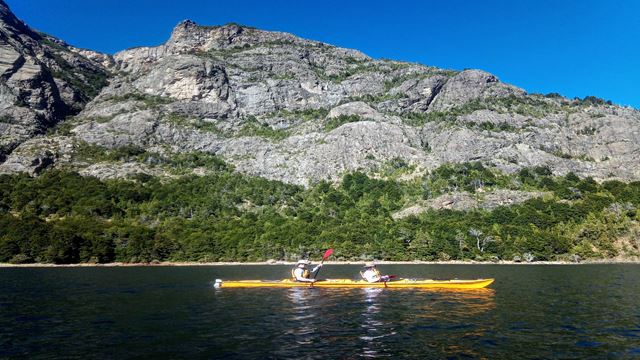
(290, 109)
(42, 81)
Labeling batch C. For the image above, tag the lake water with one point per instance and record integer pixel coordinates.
(564, 311)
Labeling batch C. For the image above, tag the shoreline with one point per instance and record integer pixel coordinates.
(381, 262)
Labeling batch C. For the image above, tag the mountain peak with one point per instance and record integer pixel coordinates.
(286, 108)
(188, 24)
(9, 22)
(185, 26)
(190, 34)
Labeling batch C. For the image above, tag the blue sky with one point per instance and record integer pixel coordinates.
(576, 48)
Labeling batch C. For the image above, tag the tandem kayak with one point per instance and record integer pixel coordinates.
(347, 283)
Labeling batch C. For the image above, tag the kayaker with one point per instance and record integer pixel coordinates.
(301, 273)
(371, 274)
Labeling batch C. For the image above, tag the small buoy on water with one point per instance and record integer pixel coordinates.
(217, 284)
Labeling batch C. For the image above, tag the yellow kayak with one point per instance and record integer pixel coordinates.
(347, 283)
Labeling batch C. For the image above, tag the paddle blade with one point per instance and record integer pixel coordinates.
(327, 254)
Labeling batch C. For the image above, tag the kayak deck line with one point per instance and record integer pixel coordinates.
(348, 283)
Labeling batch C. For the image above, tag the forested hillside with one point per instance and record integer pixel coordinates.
(234, 143)
(62, 217)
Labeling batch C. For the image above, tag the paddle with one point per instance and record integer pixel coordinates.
(324, 257)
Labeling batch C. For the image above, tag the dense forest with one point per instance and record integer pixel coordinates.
(62, 217)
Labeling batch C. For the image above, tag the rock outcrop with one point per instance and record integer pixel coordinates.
(463, 201)
(295, 110)
(42, 81)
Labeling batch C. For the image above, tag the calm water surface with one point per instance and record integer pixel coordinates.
(584, 311)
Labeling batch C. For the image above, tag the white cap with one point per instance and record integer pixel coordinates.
(304, 262)
(369, 264)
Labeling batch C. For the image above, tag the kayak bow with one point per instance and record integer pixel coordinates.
(347, 283)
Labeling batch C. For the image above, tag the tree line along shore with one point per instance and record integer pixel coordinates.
(61, 217)
(633, 261)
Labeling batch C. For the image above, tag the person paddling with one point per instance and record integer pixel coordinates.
(371, 274)
(301, 273)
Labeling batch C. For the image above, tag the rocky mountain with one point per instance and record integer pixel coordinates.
(285, 108)
(42, 81)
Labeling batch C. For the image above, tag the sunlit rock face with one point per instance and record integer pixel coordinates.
(42, 81)
(289, 109)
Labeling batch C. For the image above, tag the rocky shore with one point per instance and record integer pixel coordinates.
(416, 262)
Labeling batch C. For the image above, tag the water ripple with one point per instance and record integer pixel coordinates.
(530, 312)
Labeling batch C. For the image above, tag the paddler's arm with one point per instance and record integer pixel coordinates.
(300, 278)
(315, 269)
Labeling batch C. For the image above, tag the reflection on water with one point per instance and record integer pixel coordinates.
(374, 326)
(458, 310)
(301, 312)
(455, 304)
(562, 312)
(373, 322)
